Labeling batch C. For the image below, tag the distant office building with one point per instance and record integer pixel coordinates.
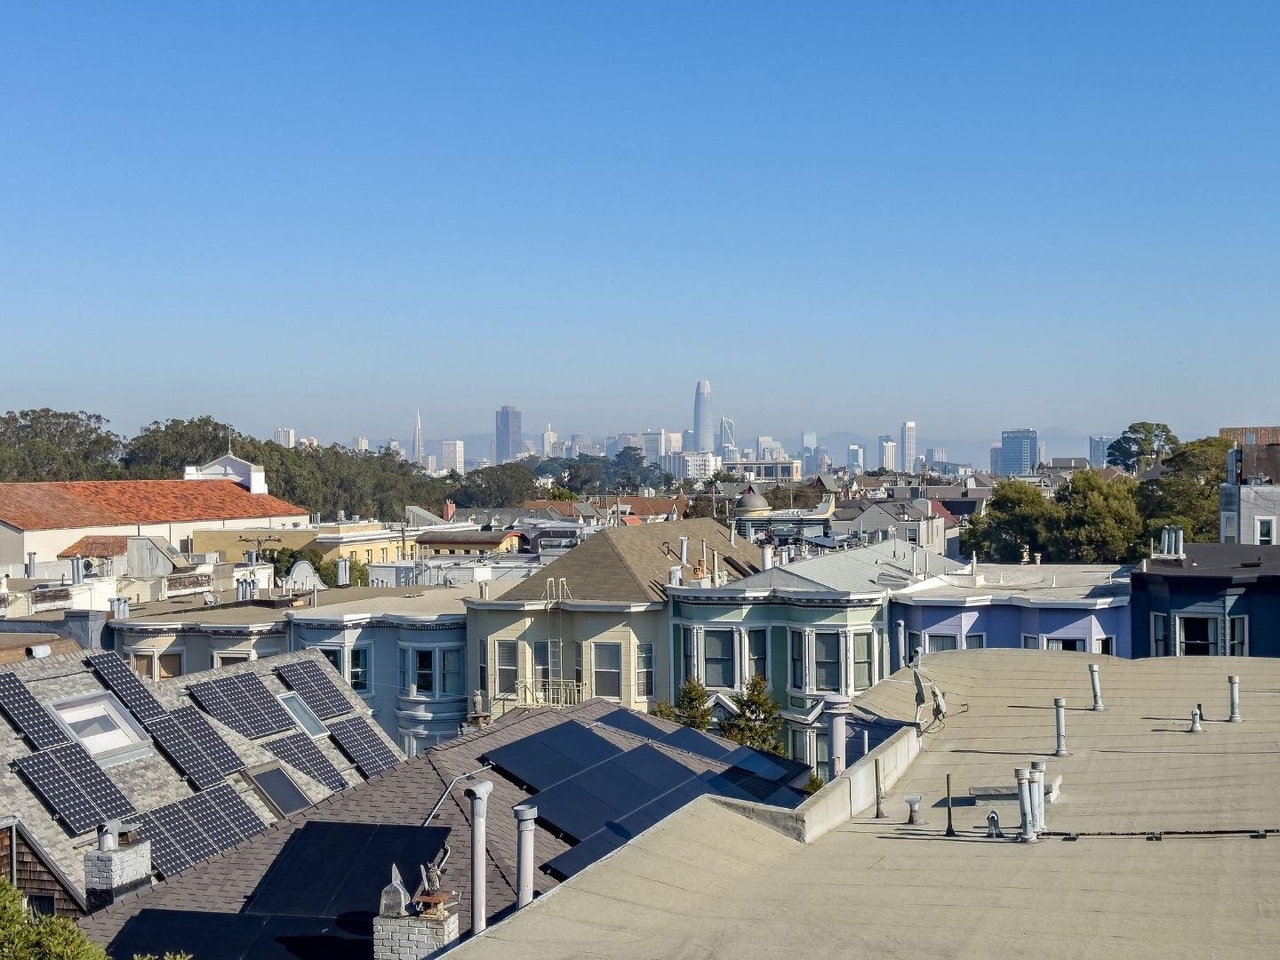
(768, 448)
(935, 455)
(615, 445)
(855, 460)
(907, 451)
(432, 464)
(659, 443)
(308, 442)
(362, 444)
(393, 446)
(549, 439)
(508, 435)
(419, 450)
(1248, 436)
(728, 442)
(704, 424)
(691, 465)
(453, 456)
(1042, 455)
(809, 439)
(888, 453)
(995, 459)
(286, 437)
(1019, 452)
(1098, 447)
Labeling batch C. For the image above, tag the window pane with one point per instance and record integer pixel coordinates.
(861, 661)
(644, 670)
(507, 666)
(452, 678)
(797, 660)
(686, 653)
(425, 673)
(975, 641)
(360, 668)
(1029, 642)
(1238, 633)
(826, 661)
(608, 669)
(718, 650)
(757, 644)
(941, 641)
(334, 657)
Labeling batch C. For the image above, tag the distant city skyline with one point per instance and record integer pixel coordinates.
(1050, 208)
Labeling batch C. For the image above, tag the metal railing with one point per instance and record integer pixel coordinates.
(548, 693)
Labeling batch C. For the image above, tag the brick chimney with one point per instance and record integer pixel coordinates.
(416, 929)
(112, 871)
(449, 510)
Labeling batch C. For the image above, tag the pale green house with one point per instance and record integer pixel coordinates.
(812, 627)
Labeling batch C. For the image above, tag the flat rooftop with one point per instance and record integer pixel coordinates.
(710, 882)
(336, 601)
(1050, 581)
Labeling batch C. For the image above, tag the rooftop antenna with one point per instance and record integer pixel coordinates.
(228, 440)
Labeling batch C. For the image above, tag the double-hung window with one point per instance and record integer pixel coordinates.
(451, 672)
(360, 669)
(1160, 634)
(862, 651)
(941, 641)
(826, 661)
(1266, 531)
(758, 651)
(644, 670)
(718, 658)
(607, 669)
(417, 673)
(1239, 627)
(508, 660)
(796, 657)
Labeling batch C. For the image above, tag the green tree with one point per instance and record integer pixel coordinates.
(163, 449)
(1098, 521)
(1017, 518)
(49, 444)
(690, 708)
(1142, 444)
(1186, 494)
(506, 485)
(759, 722)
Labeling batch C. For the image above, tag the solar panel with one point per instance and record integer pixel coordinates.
(573, 812)
(315, 688)
(631, 722)
(185, 754)
(533, 763)
(233, 807)
(753, 761)
(275, 717)
(654, 767)
(583, 855)
(578, 743)
(361, 743)
(25, 712)
(208, 739)
(243, 703)
(615, 786)
(301, 752)
(126, 685)
(184, 831)
(212, 821)
(166, 856)
(691, 741)
(74, 786)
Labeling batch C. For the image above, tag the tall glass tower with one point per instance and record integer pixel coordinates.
(907, 449)
(508, 435)
(704, 427)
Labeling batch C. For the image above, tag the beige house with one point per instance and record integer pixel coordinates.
(365, 541)
(596, 623)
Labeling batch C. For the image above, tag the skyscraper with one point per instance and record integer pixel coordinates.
(727, 440)
(286, 436)
(888, 453)
(1018, 452)
(549, 439)
(508, 435)
(453, 457)
(908, 446)
(854, 462)
(419, 452)
(1098, 450)
(704, 427)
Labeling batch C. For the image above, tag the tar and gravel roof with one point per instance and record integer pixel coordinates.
(708, 882)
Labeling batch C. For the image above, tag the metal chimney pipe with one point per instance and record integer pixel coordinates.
(1096, 682)
(478, 794)
(766, 557)
(1060, 709)
(836, 707)
(1037, 794)
(31, 565)
(526, 815)
(684, 550)
(1028, 834)
(1234, 684)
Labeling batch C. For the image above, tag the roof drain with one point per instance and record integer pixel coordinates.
(479, 796)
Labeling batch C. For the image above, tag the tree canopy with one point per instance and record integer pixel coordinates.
(690, 708)
(1017, 519)
(1142, 444)
(759, 721)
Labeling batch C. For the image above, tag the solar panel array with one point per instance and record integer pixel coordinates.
(126, 685)
(301, 752)
(35, 722)
(317, 691)
(195, 747)
(197, 827)
(74, 786)
(244, 704)
(557, 753)
(361, 743)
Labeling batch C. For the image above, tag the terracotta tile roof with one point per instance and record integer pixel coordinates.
(107, 503)
(96, 546)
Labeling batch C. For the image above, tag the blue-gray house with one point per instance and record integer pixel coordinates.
(1211, 599)
(1078, 607)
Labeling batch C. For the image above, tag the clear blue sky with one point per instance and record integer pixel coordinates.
(974, 215)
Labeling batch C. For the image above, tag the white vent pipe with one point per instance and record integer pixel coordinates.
(1037, 794)
(1060, 709)
(526, 817)
(1233, 684)
(1096, 682)
(836, 707)
(1023, 776)
(478, 793)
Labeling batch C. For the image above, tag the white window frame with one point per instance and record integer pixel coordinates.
(1180, 636)
(179, 651)
(368, 668)
(928, 641)
(651, 671)
(1231, 621)
(842, 656)
(134, 737)
(1230, 525)
(1257, 531)
(735, 666)
(596, 647)
(749, 663)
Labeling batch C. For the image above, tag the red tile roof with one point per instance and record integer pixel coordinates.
(109, 503)
(96, 546)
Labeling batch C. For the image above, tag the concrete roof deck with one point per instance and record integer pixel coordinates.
(1066, 581)
(344, 601)
(709, 882)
